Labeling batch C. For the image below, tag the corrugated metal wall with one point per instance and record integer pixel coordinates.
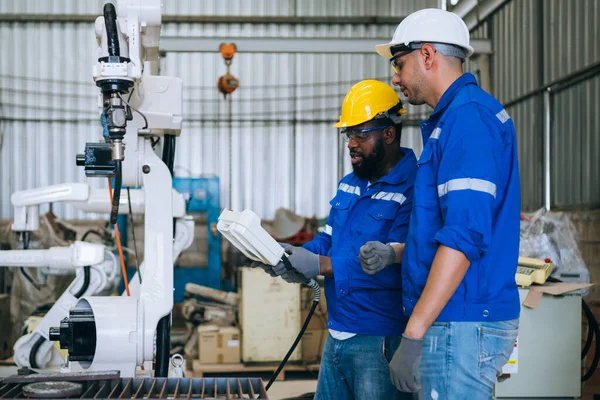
(45, 76)
(320, 8)
(232, 7)
(277, 163)
(48, 97)
(537, 42)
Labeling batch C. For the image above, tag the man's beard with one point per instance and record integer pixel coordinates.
(369, 165)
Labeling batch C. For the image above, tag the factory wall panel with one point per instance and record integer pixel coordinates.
(284, 152)
(346, 8)
(536, 43)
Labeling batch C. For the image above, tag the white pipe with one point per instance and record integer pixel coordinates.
(79, 254)
(547, 145)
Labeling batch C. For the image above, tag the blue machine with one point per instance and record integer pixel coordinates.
(201, 196)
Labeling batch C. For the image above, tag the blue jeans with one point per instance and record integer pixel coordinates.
(358, 368)
(462, 360)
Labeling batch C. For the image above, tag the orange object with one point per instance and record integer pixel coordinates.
(119, 246)
(227, 83)
(227, 50)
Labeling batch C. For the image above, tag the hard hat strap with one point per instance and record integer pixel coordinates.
(445, 49)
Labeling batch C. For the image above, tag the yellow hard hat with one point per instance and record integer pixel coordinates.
(366, 100)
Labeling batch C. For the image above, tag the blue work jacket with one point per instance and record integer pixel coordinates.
(467, 197)
(357, 302)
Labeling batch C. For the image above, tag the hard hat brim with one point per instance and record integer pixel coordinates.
(384, 50)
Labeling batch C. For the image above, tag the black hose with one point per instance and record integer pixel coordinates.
(29, 278)
(163, 346)
(110, 22)
(168, 157)
(593, 331)
(137, 262)
(86, 282)
(34, 349)
(298, 338)
(590, 334)
(592, 326)
(114, 212)
(317, 297)
(91, 231)
(26, 238)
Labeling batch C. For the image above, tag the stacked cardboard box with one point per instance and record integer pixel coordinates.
(218, 345)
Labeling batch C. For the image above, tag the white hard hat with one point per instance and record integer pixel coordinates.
(431, 25)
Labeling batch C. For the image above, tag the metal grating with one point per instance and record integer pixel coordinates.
(152, 388)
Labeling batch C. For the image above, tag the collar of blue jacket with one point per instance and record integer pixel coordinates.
(450, 93)
(447, 98)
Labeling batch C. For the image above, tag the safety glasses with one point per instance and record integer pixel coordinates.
(359, 135)
(394, 60)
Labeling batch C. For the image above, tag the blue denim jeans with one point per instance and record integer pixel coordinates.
(358, 368)
(462, 360)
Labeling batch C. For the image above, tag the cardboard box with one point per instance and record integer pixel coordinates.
(317, 322)
(218, 345)
(313, 342)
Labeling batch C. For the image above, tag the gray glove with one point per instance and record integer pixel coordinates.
(375, 256)
(266, 267)
(405, 365)
(306, 265)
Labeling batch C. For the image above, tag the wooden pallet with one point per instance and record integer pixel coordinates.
(199, 369)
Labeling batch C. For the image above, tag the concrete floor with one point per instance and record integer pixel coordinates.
(285, 389)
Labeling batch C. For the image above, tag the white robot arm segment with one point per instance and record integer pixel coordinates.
(27, 203)
(79, 254)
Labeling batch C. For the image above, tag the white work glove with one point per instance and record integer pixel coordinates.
(305, 264)
(269, 268)
(375, 256)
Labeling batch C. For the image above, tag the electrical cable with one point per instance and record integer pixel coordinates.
(154, 142)
(134, 109)
(25, 237)
(29, 278)
(593, 334)
(592, 327)
(114, 211)
(163, 346)
(137, 263)
(119, 246)
(86, 282)
(112, 35)
(316, 298)
(88, 232)
(205, 87)
(33, 353)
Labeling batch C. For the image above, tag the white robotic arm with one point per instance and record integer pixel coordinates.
(79, 254)
(33, 350)
(121, 332)
(96, 272)
(27, 203)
